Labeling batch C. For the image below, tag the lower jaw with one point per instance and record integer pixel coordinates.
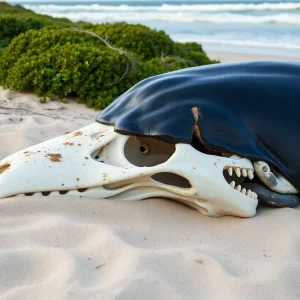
(265, 195)
(271, 198)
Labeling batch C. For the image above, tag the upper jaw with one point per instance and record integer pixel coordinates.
(237, 202)
(235, 176)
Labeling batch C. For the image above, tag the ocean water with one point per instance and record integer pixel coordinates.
(263, 27)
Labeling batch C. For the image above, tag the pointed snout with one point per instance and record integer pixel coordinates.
(60, 164)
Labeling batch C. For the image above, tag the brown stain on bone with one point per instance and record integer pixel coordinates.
(68, 144)
(54, 157)
(28, 153)
(77, 133)
(100, 151)
(98, 137)
(4, 167)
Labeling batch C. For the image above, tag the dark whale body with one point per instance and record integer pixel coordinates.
(251, 109)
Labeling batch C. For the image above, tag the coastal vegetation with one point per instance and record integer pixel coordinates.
(56, 58)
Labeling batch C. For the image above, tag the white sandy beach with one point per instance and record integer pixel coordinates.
(82, 248)
(229, 57)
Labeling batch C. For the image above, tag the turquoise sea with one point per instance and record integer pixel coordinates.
(263, 27)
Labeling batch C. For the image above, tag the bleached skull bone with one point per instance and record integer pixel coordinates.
(96, 161)
(273, 179)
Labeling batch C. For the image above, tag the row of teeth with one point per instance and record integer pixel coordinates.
(238, 171)
(246, 173)
(248, 193)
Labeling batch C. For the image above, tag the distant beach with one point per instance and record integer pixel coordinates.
(230, 57)
(246, 27)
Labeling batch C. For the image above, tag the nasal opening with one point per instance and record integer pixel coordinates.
(172, 179)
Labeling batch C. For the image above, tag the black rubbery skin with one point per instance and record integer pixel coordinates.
(266, 196)
(251, 109)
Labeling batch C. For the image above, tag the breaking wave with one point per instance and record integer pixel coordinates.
(228, 25)
(239, 42)
(286, 6)
(281, 13)
(283, 18)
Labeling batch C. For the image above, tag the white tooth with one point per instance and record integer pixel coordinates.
(244, 172)
(250, 174)
(238, 188)
(249, 193)
(232, 184)
(238, 172)
(230, 171)
(255, 196)
(244, 191)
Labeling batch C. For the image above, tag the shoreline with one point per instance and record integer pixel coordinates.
(227, 57)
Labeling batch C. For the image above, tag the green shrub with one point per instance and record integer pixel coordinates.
(157, 65)
(84, 71)
(11, 27)
(193, 52)
(13, 9)
(15, 20)
(34, 42)
(149, 43)
(53, 60)
(143, 41)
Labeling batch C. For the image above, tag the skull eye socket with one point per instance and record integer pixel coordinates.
(144, 148)
(147, 152)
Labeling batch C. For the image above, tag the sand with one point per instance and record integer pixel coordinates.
(240, 57)
(83, 248)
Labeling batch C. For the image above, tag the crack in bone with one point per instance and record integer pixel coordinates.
(196, 129)
(196, 113)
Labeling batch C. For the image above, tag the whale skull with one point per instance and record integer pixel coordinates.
(96, 161)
